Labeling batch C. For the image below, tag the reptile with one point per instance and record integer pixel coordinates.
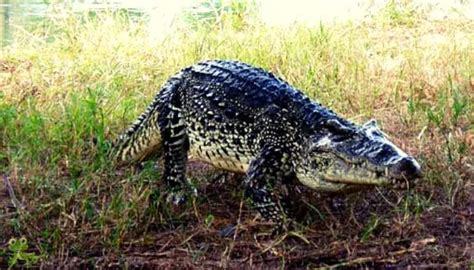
(244, 119)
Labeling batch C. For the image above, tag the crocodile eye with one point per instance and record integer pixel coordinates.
(377, 133)
(339, 130)
(374, 132)
(321, 145)
(342, 137)
(319, 149)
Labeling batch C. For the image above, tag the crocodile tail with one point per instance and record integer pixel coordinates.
(143, 138)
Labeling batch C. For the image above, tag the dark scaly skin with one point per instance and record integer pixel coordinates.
(243, 119)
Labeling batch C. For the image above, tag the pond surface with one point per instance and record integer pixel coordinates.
(14, 14)
(21, 15)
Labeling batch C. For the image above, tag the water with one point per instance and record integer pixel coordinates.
(24, 15)
(15, 14)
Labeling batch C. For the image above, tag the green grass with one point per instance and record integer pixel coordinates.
(69, 88)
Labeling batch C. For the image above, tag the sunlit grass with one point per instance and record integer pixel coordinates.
(69, 88)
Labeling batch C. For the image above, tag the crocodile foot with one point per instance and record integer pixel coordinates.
(179, 197)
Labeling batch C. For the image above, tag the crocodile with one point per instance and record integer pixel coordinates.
(244, 119)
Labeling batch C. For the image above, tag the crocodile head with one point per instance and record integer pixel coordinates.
(342, 156)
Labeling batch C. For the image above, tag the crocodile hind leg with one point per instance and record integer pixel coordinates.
(176, 145)
(271, 167)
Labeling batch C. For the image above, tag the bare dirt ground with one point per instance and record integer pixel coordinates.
(363, 229)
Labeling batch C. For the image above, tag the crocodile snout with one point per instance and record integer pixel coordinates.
(406, 169)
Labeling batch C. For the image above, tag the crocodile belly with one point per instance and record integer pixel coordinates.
(219, 151)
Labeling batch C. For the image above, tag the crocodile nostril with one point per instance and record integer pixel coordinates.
(406, 168)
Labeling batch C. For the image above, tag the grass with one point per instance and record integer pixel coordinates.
(71, 86)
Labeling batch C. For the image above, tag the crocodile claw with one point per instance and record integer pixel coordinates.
(227, 231)
(180, 197)
(279, 229)
(176, 198)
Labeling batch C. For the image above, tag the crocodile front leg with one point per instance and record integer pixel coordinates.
(271, 167)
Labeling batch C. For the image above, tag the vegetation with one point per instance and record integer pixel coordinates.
(71, 86)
